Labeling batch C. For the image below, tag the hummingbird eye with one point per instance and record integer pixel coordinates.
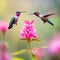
(18, 12)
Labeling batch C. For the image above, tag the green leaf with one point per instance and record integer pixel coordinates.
(17, 59)
(31, 39)
(19, 52)
(22, 38)
(36, 40)
(33, 57)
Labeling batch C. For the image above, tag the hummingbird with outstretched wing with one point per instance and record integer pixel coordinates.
(14, 19)
(44, 18)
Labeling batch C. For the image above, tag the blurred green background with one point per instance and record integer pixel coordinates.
(44, 31)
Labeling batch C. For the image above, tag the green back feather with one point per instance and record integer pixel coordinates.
(11, 21)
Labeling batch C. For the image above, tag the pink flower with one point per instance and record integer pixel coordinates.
(3, 46)
(5, 56)
(28, 31)
(3, 26)
(4, 51)
(37, 52)
(54, 45)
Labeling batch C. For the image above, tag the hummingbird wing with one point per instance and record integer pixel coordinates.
(11, 23)
(48, 15)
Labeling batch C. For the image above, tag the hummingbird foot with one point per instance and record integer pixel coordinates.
(15, 23)
(44, 22)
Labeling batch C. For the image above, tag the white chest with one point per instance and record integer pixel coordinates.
(16, 18)
(41, 15)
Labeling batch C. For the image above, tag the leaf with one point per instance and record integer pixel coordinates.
(33, 57)
(19, 52)
(17, 59)
(22, 38)
(36, 40)
(31, 39)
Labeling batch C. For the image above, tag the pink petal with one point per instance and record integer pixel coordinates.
(37, 52)
(5, 56)
(28, 31)
(3, 26)
(54, 45)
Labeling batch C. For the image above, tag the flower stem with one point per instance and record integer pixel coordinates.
(30, 47)
(4, 36)
(35, 58)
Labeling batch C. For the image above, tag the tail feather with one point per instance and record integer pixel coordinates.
(50, 22)
(9, 27)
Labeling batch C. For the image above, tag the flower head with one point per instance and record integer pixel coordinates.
(3, 46)
(37, 52)
(28, 31)
(5, 56)
(3, 26)
(4, 51)
(54, 45)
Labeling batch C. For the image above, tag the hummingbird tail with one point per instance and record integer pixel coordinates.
(50, 22)
(9, 27)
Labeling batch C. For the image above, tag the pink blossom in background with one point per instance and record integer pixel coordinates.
(38, 52)
(5, 56)
(3, 46)
(4, 51)
(3, 26)
(28, 31)
(54, 44)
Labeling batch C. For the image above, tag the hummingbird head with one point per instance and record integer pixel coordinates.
(35, 13)
(18, 13)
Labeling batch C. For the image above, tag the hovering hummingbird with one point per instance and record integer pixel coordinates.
(14, 19)
(44, 18)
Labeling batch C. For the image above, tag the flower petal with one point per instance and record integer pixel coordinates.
(28, 31)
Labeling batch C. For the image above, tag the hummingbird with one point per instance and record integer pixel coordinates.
(14, 19)
(44, 18)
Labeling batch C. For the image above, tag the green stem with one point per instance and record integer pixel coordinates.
(38, 58)
(30, 47)
(4, 36)
(35, 58)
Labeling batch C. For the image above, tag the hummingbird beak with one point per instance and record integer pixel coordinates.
(30, 14)
(23, 11)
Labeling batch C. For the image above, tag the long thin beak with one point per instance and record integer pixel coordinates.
(30, 14)
(23, 11)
